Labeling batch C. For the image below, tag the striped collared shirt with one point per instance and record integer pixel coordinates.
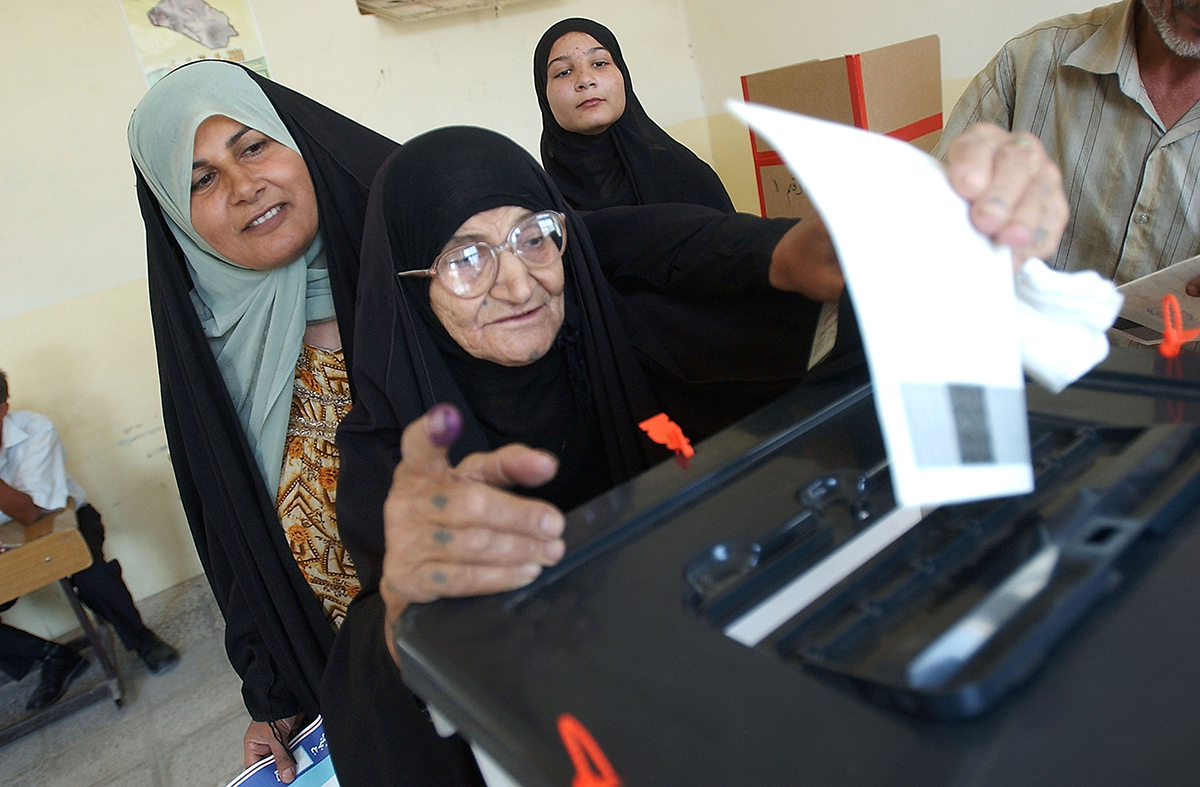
(1074, 83)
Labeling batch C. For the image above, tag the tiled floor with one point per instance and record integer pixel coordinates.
(181, 728)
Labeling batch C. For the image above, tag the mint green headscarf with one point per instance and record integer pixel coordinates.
(254, 320)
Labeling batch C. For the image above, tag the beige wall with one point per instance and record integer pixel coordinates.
(732, 39)
(74, 323)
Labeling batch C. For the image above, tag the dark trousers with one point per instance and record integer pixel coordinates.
(100, 586)
(19, 651)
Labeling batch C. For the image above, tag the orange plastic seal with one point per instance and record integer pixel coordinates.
(1174, 336)
(664, 431)
(592, 768)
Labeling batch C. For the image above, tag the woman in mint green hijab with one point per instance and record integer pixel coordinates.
(254, 313)
(253, 198)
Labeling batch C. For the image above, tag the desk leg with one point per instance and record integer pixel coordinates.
(111, 686)
(103, 655)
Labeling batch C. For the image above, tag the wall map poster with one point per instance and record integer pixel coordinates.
(169, 33)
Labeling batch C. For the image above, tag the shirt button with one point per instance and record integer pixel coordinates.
(1142, 218)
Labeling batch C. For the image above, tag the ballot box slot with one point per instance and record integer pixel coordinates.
(967, 603)
(731, 576)
(623, 522)
(1184, 388)
(751, 595)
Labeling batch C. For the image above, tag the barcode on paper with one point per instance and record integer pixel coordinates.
(955, 424)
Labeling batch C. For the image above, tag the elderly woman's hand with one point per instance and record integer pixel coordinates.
(1014, 189)
(454, 531)
(805, 261)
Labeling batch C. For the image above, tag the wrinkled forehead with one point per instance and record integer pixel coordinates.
(439, 180)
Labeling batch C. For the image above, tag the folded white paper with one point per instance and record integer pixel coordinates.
(1063, 319)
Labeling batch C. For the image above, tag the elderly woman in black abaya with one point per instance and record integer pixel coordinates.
(501, 308)
(253, 198)
(495, 352)
(598, 143)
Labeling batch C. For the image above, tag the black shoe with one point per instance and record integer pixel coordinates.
(157, 655)
(59, 668)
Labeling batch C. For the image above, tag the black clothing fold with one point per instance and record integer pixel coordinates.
(633, 161)
(19, 650)
(379, 732)
(277, 636)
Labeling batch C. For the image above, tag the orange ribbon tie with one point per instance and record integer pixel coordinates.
(664, 431)
(1174, 336)
(592, 768)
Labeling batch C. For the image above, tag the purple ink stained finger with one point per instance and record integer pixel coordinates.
(445, 424)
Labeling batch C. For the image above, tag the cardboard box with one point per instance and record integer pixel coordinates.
(895, 90)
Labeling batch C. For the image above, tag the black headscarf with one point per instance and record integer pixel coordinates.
(277, 636)
(585, 397)
(590, 382)
(633, 162)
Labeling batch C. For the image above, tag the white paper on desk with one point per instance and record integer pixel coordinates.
(935, 307)
(1144, 296)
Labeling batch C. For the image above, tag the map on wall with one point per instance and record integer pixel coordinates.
(169, 33)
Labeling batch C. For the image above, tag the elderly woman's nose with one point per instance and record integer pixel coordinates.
(513, 280)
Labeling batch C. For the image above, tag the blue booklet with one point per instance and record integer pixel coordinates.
(313, 766)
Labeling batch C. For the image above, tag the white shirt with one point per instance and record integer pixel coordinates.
(32, 461)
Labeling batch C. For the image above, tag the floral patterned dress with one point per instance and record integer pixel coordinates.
(308, 482)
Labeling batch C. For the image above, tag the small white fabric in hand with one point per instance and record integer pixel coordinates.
(1062, 322)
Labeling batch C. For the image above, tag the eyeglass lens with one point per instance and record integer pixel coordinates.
(470, 270)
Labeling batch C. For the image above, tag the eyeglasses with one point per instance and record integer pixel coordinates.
(470, 271)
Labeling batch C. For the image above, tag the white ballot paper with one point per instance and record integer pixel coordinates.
(935, 306)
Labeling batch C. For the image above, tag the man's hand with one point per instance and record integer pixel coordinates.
(454, 531)
(259, 742)
(18, 505)
(1014, 189)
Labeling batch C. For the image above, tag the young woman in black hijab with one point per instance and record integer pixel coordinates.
(598, 143)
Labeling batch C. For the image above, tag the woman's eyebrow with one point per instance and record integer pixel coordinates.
(460, 238)
(464, 237)
(198, 163)
(233, 139)
(588, 53)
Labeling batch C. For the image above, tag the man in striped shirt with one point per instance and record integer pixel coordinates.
(1114, 96)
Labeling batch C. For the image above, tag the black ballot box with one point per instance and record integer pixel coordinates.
(764, 614)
